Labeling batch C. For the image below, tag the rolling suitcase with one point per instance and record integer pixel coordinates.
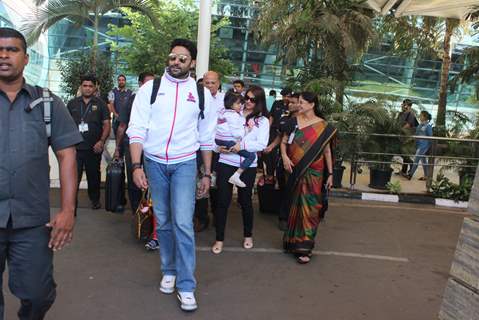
(269, 196)
(115, 185)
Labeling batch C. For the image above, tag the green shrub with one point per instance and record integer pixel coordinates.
(444, 188)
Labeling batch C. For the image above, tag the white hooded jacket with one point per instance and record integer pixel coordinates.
(171, 130)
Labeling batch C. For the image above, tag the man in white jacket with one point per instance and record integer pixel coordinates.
(169, 132)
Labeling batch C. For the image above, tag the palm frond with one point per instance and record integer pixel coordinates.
(146, 7)
(50, 13)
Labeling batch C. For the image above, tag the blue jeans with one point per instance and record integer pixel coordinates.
(173, 189)
(249, 156)
(420, 157)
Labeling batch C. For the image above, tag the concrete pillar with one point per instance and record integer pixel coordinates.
(204, 35)
(461, 296)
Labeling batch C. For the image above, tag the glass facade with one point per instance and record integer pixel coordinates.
(381, 73)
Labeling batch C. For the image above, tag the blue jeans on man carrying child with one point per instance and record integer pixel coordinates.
(249, 156)
(173, 189)
(420, 157)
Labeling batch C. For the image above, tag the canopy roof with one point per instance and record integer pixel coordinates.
(437, 8)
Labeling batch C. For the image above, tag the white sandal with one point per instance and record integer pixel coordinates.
(248, 243)
(217, 247)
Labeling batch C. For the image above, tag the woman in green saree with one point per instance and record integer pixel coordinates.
(307, 156)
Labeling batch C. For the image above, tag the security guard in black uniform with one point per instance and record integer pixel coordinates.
(286, 125)
(31, 119)
(93, 121)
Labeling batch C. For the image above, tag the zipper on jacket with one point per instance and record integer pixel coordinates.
(173, 124)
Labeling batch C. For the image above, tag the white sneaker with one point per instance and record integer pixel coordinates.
(167, 285)
(187, 301)
(235, 179)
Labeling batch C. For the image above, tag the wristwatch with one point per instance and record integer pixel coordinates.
(135, 166)
(207, 176)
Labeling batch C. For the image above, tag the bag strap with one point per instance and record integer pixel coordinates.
(47, 111)
(199, 88)
(44, 96)
(154, 91)
(201, 96)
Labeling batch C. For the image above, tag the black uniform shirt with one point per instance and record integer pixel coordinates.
(125, 113)
(120, 98)
(24, 167)
(277, 110)
(93, 114)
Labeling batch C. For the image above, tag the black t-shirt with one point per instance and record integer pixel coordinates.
(120, 98)
(125, 113)
(287, 124)
(277, 110)
(93, 114)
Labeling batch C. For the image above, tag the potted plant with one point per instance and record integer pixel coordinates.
(381, 118)
(459, 127)
(351, 135)
(451, 194)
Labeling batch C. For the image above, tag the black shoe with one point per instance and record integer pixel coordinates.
(119, 209)
(95, 205)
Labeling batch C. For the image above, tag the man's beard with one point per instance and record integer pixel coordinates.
(179, 75)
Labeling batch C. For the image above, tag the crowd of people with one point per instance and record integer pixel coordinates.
(185, 141)
(176, 136)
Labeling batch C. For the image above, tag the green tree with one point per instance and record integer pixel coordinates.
(470, 58)
(327, 36)
(425, 36)
(78, 65)
(147, 46)
(50, 12)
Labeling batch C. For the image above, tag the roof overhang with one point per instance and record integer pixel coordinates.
(458, 9)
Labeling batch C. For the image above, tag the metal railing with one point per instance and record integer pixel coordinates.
(434, 158)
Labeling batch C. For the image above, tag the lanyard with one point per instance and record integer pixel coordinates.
(83, 114)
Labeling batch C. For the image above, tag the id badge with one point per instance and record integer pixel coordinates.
(83, 127)
(291, 137)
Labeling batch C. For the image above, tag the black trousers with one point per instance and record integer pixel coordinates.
(115, 123)
(134, 193)
(201, 205)
(91, 162)
(225, 192)
(30, 270)
(271, 161)
(407, 163)
(282, 179)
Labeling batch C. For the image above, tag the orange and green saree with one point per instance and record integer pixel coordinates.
(305, 186)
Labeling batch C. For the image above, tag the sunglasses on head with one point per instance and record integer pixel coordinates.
(181, 57)
(252, 99)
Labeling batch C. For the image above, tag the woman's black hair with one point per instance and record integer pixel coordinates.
(313, 98)
(260, 109)
(427, 115)
(231, 98)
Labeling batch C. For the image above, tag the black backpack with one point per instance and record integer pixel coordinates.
(199, 88)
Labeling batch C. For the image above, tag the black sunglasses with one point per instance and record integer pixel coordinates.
(252, 99)
(181, 57)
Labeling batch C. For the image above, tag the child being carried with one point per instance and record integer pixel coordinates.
(231, 130)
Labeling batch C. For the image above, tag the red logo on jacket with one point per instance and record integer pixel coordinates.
(191, 97)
